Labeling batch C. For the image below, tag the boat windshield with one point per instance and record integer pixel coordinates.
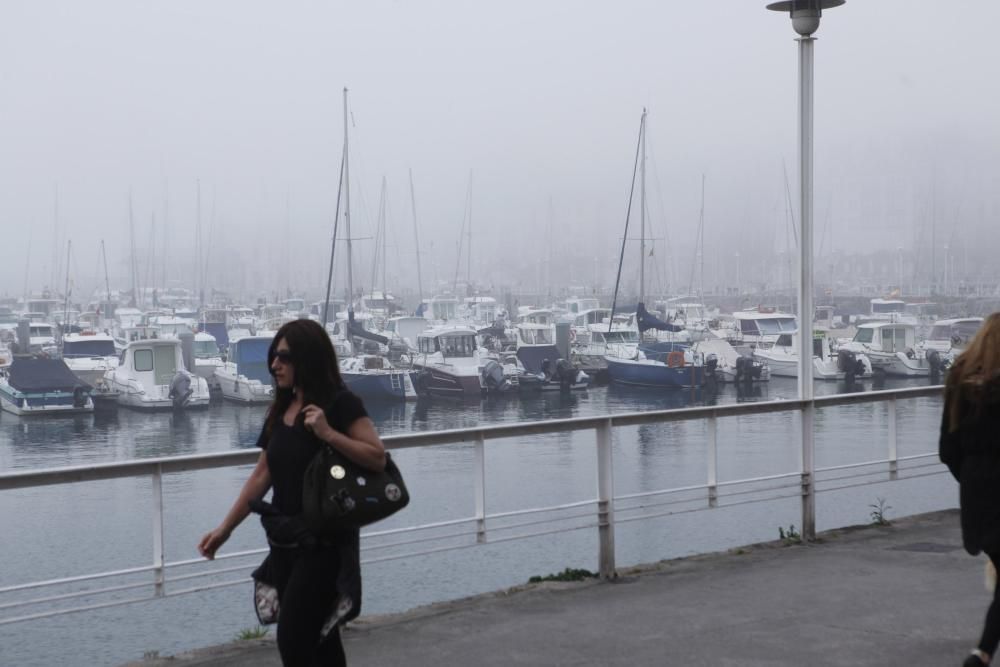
(204, 349)
(457, 345)
(537, 336)
(964, 331)
(864, 335)
(621, 336)
(774, 325)
(88, 348)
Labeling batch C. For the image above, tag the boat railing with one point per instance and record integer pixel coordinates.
(601, 512)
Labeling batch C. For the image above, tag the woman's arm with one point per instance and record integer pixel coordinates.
(253, 489)
(361, 444)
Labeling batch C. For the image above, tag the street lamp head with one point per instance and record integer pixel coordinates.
(805, 13)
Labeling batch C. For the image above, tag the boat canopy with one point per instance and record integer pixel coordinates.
(42, 374)
(646, 320)
(250, 356)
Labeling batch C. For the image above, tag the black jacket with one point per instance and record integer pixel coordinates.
(971, 450)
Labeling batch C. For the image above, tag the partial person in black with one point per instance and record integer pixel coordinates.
(318, 581)
(970, 447)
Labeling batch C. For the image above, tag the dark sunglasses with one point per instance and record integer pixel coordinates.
(284, 356)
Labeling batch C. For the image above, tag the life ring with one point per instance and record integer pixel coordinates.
(675, 359)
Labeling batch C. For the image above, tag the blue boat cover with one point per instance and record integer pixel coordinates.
(250, 356)
(646, 320)
(42, 374)
(532, 356)
(218, 330)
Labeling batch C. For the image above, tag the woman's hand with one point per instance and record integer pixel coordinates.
(315, 422)
(211, 542)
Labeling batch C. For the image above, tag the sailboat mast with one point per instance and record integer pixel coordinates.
(131, 234)
(107, 283)
(333, 244)
(69, 247)
(385, 246)
(701, 245)
(347, 215)
(642, 211)
(468, 259)
(197, 242)
(416, 241)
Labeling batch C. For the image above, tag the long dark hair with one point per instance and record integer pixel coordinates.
(977, 366)
(317, 373)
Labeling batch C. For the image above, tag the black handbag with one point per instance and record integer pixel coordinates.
(338, 494)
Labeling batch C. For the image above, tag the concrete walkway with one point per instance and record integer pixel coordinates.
(903, 595)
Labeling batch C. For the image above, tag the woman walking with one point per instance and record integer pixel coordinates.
(318, 579)
(970, 447)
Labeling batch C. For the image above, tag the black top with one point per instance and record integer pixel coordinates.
(971, 450)
(291, 448)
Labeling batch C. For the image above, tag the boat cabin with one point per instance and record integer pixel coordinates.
(441, 308)
(763, 323)
(449, 341)
(591, 316)
(886, 337)
(535, 334)
(153, 361)
(86, 345)
(954, 332)
(582, 304)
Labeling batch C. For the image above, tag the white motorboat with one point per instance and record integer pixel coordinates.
(207, 357)
(152, 376)
(90, 356)
(782, 358)
(724, 364)
(244, 377)
(448, 362)
(949, 338)
(43, 386)
(892, 349)
(763, 325)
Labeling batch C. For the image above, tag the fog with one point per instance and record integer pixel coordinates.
(534, 106)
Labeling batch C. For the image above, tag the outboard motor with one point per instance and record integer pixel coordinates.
(936, 365)
(79, 398)
(493, 377)
(565, 373)
(180, 389)
(711, 366)
(850, 365)
(744, 369)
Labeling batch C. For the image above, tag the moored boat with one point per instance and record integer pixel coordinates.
(43, 386)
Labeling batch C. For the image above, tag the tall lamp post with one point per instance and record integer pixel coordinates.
(805, 15)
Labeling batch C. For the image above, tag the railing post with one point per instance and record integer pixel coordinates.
(605, 502)
(158, 575)
(808, 471)
(893, 454)
(480, 477)
(713, 458)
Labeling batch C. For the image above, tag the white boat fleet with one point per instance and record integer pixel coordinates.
(170, 359)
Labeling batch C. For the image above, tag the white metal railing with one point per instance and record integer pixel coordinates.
(482, 527)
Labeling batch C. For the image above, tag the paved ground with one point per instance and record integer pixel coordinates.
(900, 595)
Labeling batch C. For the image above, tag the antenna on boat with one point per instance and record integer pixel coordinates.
(416, 241)
(628, 213)
(347, 225)
(642, 212)
(131, 234)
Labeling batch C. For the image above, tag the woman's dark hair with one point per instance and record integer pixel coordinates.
(974, 368)
(317, 373)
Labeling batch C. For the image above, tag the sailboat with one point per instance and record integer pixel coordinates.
(662, 365)
(369, 376)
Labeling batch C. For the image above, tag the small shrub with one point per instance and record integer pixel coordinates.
(569, 574)
(790, 536)
(257, 632)
(879, 509)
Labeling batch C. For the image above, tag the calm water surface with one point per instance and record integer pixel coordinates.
(82, 528)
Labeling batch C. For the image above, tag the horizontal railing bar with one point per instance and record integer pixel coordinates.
(429, 538)
(915, 457)
(59, 612)
(765, 478)
(537, 510)
(848, 466)
(77, 594)
(660, 492)
(884, 481)
(207, 573)
(78, 579)
(704, 508)
(190, 462)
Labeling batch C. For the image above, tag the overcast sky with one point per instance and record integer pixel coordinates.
(540, 101)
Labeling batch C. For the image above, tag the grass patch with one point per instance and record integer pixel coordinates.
(569, 574)
(257, 632)
(879, 509)
(790, 536)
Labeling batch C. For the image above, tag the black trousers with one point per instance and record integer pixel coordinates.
(991, 628)
(307, 598)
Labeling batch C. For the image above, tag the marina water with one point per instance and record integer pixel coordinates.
(76, 529)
